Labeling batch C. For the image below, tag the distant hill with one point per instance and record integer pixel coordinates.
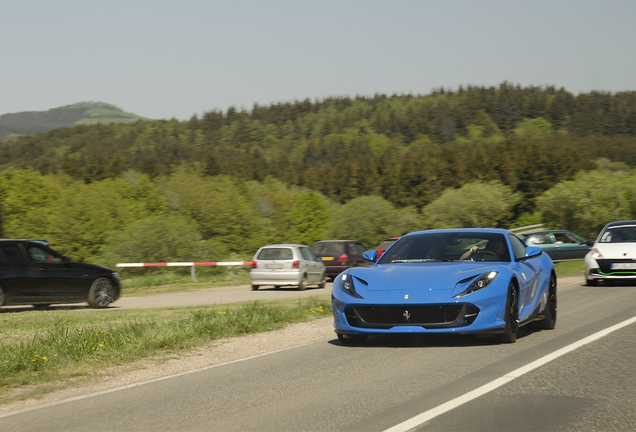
(82, 113)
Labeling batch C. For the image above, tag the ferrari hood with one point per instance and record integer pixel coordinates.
(428, 275)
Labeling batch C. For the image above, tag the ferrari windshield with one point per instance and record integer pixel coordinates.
(448, 246)
(619, 234)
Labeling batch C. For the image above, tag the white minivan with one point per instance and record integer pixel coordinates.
(287, 265)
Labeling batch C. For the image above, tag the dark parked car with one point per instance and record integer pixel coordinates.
(339, 255)
(32, 273)
(560, 245)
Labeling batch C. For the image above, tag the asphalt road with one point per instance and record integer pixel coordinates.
(241, 293)
(326, 386)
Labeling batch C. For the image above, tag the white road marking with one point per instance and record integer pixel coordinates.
(422, 418)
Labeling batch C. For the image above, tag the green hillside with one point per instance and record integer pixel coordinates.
(82, 113)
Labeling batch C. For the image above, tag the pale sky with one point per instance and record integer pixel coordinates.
(165, 59)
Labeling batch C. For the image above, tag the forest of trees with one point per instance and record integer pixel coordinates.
(364, 168)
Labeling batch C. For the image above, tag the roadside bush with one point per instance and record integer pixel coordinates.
(160, 238)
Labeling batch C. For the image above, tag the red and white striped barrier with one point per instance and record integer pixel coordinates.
(185, 264)
(182, 264)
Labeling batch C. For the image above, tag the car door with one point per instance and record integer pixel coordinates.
(307, 264)
(529, 274)
(57, 280)
(569, 246)
(547, 243)
(16, 273)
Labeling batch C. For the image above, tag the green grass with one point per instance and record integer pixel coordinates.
(42, 351)
(569, 268)
(170, 282)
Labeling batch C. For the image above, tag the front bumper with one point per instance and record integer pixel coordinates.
(389, 313)
(610, 269)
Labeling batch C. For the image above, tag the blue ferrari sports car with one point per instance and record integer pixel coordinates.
(448, 281)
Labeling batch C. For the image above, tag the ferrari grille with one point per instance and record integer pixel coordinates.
(428, 316)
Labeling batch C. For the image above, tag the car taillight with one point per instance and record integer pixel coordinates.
(295, 264)
(253, 264)
(343, 257)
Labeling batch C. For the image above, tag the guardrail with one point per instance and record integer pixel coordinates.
(185, 264)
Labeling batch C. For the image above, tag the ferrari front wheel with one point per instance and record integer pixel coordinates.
(511, 316)
(550, 315)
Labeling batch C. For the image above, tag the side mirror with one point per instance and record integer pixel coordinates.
(590, 242)
(66, 259)
(532, 252)
(370, 255)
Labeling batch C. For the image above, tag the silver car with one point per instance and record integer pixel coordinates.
(287, 265)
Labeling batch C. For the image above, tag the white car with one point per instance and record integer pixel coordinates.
(287, 264)
(613, 256)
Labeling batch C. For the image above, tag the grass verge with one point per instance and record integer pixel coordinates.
(44, 350)
(569, 268)
(171, 282)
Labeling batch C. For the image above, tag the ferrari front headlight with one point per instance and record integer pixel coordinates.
(480, 283)
(346, 285)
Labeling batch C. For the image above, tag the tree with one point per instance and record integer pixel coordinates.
(161, 238)
(371, 219)
(308, 218)
(590, 201)
(474, 205)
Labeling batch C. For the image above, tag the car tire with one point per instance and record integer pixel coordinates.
(323, 282)
(254, 287)
(591, 282)
(101, 294)
(276, 286)
(550, 316)
(351, 339)
(511, 316)
(2, 296)
(302, 285)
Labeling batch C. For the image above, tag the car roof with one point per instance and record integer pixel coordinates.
(335, 241)
(621, 223)
(463, 230)
(41, 241)
(283, 245)
(542, 232)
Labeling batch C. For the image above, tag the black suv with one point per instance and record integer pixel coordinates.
(339, 255)
(33, 273)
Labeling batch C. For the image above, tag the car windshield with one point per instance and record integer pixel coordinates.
(619, 234)
(448, 246)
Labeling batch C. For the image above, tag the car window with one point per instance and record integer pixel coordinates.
(311, 254)
(303, 252)
(518, 248)
(540, 239)
(12, 253)
(40, 255)
(275, 254)
(386, 244)
(356, 249)
(334, 248)
(564, 238)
